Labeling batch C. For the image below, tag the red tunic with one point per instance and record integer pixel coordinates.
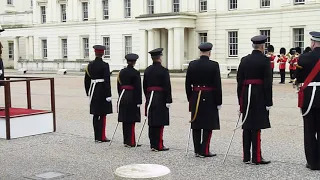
(282, 62)
(293, 63)
(272, 57)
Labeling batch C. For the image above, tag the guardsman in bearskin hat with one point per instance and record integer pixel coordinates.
(204, 93)
(255, 98)
(272, 57)
(157, 89)
(98, 88)
(293, 63)
(308, 76)
(306, 50)
(130, 99)
(282, 59)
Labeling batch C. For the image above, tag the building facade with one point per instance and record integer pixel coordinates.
(55, 34)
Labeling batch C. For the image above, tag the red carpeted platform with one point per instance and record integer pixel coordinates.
(19, 112)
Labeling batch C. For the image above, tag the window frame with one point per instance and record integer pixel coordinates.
(127, 8)
(176, 6)
(64, 49)
(85, 11)
(232, 5)
(126, 48)
(105, 9)
(44, 48)
(299, 42)
(266, 32)
(85, 49)
(236, 48)
(63, 12)
(43, 13)
(203, 5)
(10, 55)
(107, 44)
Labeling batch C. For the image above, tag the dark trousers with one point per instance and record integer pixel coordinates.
(292, 74)
(311, 140)
(99, 126)
(129, 133)
(272, 74)
(252, 137)
(156, 137)
(283, 75)
(201, 147)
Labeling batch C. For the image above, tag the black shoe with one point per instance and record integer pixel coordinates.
(247, 161)
(163, 149)
(312, 168)
(196, 155)
(291, 82)
(101, 141)
(130, 146)
(208, 155)
(261, 162)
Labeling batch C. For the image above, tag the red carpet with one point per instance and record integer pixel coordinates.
(14, 112)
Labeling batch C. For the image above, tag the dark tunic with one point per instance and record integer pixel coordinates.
(204, 72)
(1, 69)
(157, 76)
(129, 79)
(307, 61)
(98, 69)
(255, 66)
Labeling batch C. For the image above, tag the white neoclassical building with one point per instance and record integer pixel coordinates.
(55, 34)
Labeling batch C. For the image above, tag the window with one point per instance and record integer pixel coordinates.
(106, 43)
(9, 2)
(85, 11)
(266, 33)
(44, 48)
(128, 44)
(43, 14)
(265, 3)
(176, 6)
(298, 37)
(298, 2)
(233, 43)
(233, 4)
(85, 42)
(64, 50)
(105, 5)
(63, 12)
(11, 50)
(203, 37)
(127, 8)
(203, 5)
(150, 6)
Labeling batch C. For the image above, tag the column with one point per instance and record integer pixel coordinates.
(27, 47)
(170, 48)
(164, 45)
(31, 50)
(157, 43)
(192, 44)
(143, 56)
(16, 52)
(178, 47)
(150, 44)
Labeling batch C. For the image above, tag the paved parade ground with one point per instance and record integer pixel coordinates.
(72, 151)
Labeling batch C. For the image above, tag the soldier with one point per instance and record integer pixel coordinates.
(293, 63)
(282, 59)
(157, 89)
(255, 99)
(130, 100)
(272, 57)
(204, 93)
(309, 100)
(98, 89)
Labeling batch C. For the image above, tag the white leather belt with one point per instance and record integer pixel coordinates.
(314, 88)
(93, 86)
(282, 62)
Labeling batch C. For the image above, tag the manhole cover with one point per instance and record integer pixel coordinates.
(49, 175)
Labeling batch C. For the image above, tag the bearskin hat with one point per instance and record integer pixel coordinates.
(298, 50)
(270, 48)
(283, 50)
(292, 51)
(308, 49)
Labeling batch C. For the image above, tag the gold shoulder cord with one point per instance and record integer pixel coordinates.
(197, 107)
(87, 71)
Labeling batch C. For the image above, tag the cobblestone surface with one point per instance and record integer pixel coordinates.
(71, 150)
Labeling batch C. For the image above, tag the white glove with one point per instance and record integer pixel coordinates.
(219, 107)
(138, 105)
(108, 99)
(168, 105)
(268, 108)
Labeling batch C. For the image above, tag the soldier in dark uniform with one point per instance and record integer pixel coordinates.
(204, 93)
(157, 89)
(308, 69)
(98, 88)
(255, 98)
(130, 99)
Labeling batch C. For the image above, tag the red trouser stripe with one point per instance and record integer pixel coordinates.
(161, 139)
(208, 143)
(258, 147)
(104, 119)
(133, 138)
